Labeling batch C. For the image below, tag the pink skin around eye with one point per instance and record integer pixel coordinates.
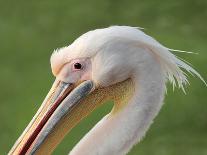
(71, 75)
(87, 70)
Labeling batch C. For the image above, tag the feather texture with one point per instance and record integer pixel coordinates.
(92, 42)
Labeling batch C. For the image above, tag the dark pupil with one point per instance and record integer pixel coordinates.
(77, 66)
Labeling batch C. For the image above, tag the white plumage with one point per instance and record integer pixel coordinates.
(118, 53)
(109, 57)
(93, 42)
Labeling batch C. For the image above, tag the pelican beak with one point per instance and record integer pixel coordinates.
(60, 101)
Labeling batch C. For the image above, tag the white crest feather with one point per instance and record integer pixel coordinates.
(173, 66)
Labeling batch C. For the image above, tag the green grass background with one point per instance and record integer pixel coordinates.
(31, 29)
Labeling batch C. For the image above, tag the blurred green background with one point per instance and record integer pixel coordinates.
(31, 30)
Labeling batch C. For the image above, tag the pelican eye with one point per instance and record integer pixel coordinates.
(77, 65)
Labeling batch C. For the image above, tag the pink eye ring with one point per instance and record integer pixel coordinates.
(77, 66)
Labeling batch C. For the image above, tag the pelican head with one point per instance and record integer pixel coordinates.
(118, 63)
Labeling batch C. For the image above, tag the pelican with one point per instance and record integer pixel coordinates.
(120, 64)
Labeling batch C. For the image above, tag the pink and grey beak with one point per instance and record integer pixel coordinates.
(61, 99)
